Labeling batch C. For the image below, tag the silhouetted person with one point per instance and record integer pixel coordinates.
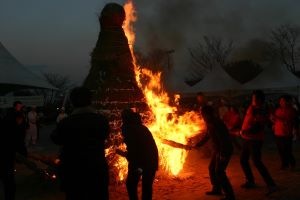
(222, 151)
(13, 128)
(253, 134)
(285, 125)
(142, 155)
(83, 167)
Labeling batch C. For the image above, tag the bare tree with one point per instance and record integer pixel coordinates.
(59, 81)
(286, 45)
(209, 53)
(62, 83)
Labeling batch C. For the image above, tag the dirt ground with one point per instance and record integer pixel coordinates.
(191, 184)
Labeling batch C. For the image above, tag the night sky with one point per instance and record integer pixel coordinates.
(58, 35)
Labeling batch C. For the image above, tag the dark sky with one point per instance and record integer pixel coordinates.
(60, 34)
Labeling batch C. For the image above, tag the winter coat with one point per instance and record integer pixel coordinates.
(141, 148)
(219, 135)
(284, 121)
(254, 123)
(12, 135)
(232, 120)
(82, 136)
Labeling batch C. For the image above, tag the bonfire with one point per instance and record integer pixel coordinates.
(163, 119)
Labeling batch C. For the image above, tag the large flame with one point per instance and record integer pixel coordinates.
(165, 123)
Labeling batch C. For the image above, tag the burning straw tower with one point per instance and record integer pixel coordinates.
(112, 80)
(111, 76)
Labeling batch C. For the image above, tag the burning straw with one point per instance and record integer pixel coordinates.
(164, 121)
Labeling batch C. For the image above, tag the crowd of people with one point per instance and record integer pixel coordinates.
(225, 123)
(82, 135)
(19, 129)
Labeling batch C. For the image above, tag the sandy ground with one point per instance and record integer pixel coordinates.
(191, 185)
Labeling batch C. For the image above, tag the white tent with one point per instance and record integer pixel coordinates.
(217, 80)
(274, 77)
(13, 73)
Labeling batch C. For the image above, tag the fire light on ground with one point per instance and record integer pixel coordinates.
(165, 123)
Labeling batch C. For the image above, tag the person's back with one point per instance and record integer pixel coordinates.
(142, 155)
(81, 135)
(83, 168)
(141, 147)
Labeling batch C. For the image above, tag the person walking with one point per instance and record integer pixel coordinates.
(83, 168)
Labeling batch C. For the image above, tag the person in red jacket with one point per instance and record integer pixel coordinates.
(253, 134)
(233, 122)
(285, 120)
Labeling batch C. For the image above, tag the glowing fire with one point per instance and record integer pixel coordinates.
(165, 123)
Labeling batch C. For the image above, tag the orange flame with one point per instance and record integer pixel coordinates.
(165, 123)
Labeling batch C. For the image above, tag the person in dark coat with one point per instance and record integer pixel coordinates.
(252, 133)
(16, 123)
(142, 155)
(222, 151)
(13, 129)
(83, 167)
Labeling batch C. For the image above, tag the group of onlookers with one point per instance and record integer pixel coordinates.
(83, 169)
(18, 130)
(226, 122)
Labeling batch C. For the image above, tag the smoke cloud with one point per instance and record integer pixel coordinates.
(179, 24)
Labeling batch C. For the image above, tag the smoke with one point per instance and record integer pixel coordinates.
(179, 24)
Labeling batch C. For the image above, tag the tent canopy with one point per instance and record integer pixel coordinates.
(14, 75)
(273, 77)
(217, 80)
